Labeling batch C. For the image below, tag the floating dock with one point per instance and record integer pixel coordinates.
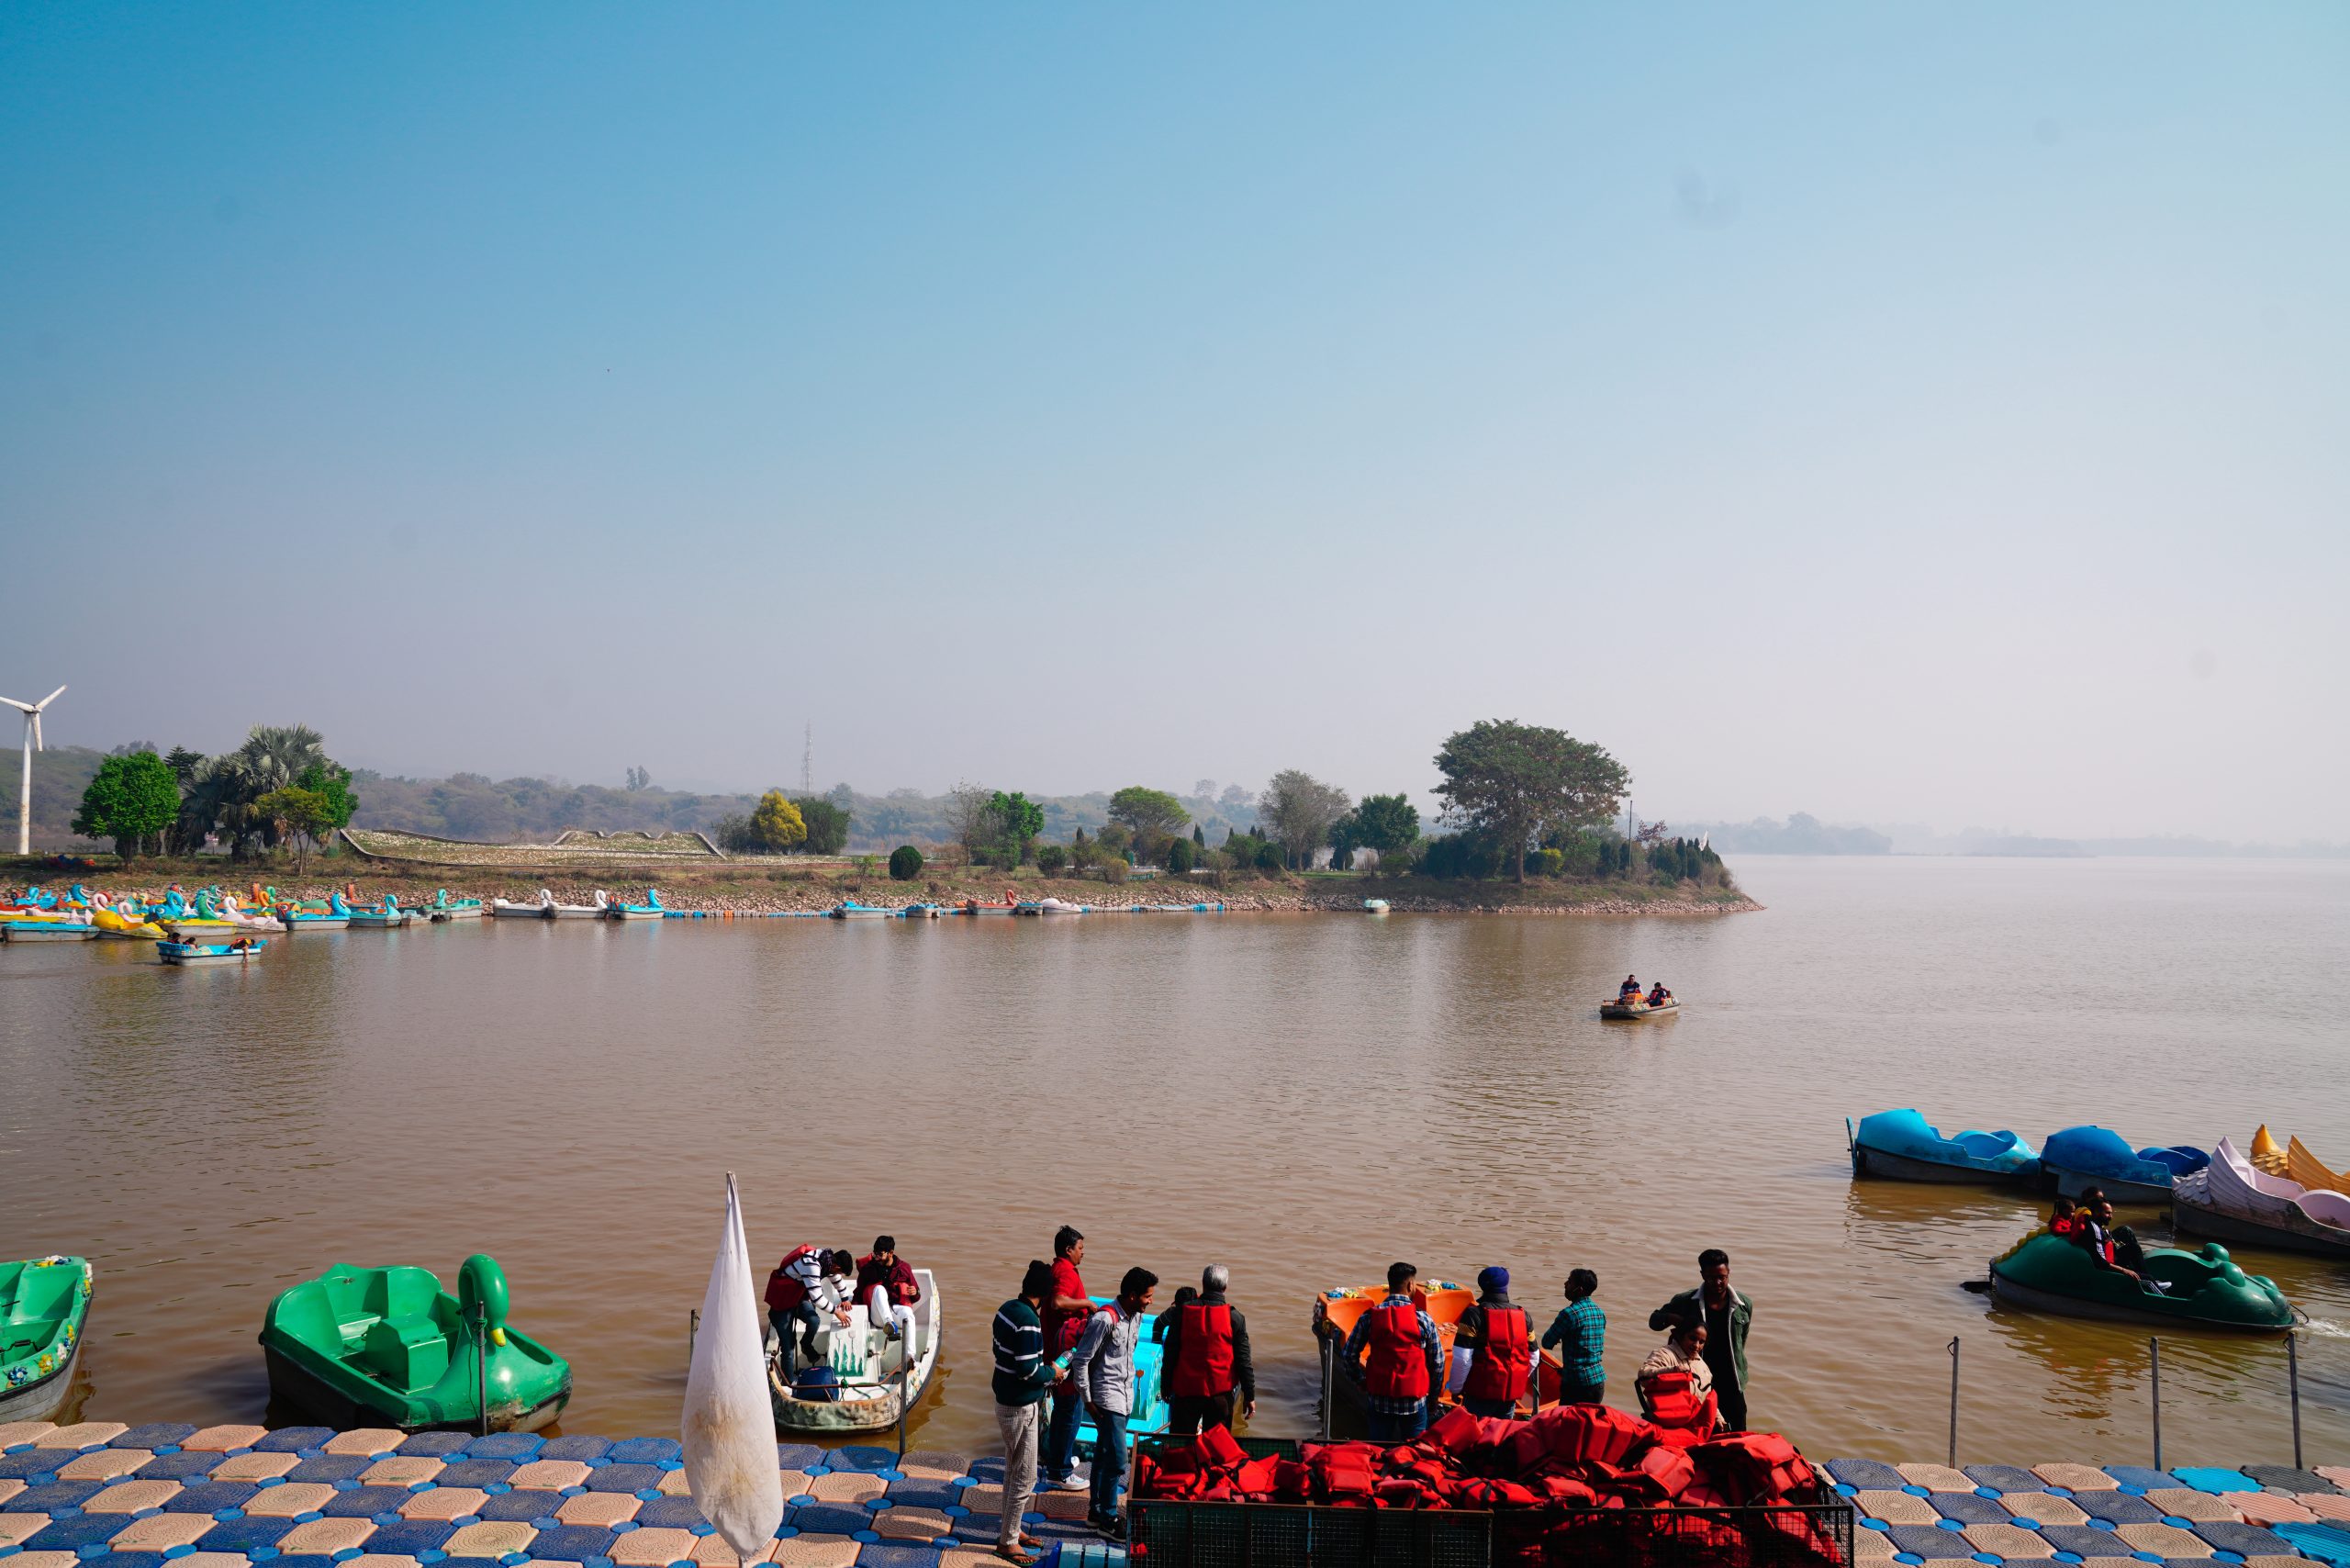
(229, 1496)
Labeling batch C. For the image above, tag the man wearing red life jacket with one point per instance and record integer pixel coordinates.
(1492, 1340)
(1207, 1360)
(1393, 1353)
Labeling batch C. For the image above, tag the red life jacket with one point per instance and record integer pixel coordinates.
(784, 1292)
(1395, 1362)
(1498, 1368)
(1203, 1366)
(2067, 1227)
(1673, 1400)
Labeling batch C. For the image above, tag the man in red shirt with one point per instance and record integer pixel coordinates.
(1063, 1318)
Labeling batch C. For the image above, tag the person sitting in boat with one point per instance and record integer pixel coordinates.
(2062, 1220)
(889, 1289)
(2113, 1249)
(1630, 990)
(1657, 995)
(797, 1291)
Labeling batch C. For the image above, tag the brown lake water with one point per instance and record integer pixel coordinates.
(1303, 1098)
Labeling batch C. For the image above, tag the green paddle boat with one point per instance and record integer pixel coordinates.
(2203, 1289)
(42, 1303)
(390, 1347)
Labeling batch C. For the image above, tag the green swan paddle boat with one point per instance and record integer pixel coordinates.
(390, 1347)
(2049, 1273)
(42, 1303)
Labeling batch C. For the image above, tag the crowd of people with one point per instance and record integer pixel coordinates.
(1059, 1355)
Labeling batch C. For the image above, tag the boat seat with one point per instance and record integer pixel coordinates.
(407, 1353)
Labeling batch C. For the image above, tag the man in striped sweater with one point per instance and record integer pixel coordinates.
(1022, 1377)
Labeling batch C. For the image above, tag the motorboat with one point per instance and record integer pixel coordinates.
(2234, 1200)
(390, 1347)
(875, 1375)
(192, 953)
(1640, 1007)
(44, 1303)
(2084, 1157)
(1901, 1145)
(2202, 1289)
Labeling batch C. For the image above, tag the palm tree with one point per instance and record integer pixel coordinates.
(276, 754)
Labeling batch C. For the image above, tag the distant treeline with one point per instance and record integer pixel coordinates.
(472, 805)
(1801, 834)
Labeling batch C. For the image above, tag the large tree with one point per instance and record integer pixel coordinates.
(1386, 824)
(1515, 782)
(777, 824)
(1018, 820)
(131, 801)
(966, 815)
(828, 822)
(306, 816)
(1150, 813)
(1298, 811)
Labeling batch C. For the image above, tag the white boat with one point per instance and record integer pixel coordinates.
(649, 909)
(1640, 1009)
(507, 908)
(245, 921)
(1059, 906)
(2233, 1200)
(187, 953)
(1374, 906)
(879, 1375)
(576, 911)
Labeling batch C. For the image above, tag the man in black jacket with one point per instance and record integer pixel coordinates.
(1199, 1391)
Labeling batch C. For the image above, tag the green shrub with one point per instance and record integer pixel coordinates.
(1113, 871)
(1052, 860)
(1546, 863)
(905, 863)
(1181, 855)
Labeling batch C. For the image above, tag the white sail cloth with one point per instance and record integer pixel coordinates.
(729, 1426)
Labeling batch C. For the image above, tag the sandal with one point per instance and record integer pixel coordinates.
(1012, 1554)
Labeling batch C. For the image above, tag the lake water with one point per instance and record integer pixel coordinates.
(1301, 1097)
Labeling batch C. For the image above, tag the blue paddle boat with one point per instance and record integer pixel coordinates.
(334, 917)
(1901, 1146)
(190, 953)
(651, 909)
(2082, 1158)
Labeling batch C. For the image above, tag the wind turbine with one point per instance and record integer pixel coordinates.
(32, 745)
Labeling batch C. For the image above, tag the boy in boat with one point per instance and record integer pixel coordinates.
(1657, 995)
(798, 1288)
(889, 1289)
(2061, 1221)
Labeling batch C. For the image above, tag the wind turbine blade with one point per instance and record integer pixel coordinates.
(51, 698)
(37, 740)
(14, 703)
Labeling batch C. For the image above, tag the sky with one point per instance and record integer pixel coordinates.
(1929, 413)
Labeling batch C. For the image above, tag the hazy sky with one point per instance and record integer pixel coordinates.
(1923, 412)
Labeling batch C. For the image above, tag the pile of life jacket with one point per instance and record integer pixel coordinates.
(1546, 1481)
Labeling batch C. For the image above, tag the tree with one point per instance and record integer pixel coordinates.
(776, 824)
(966, 815)
(1199, 833)
(1515, 781)
(1388, 824)
(334, 783)
(305, 816)
(1300, 809)
(131, 801)
(1181, 855)
(905, 863)
(638, 778)
(827, 821)
(1147, 814)
(1017, 822)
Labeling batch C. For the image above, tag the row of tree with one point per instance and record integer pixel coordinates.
(787, 825)
(279, 787)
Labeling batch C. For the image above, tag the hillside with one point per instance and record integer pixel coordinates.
(59, 775)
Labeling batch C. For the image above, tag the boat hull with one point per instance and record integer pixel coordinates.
(199, 960)
(504, 911)
(1877, 1162)
(39, 1398)
(888, 1400)
(441, 916)
(29, 931)
(318, 923)
(2073, 1183)
(2033, 1299)
(575, 912)
(617, 912)
(378, 922)
(1637, 1011)
(297, 1386)
(2318, 1240)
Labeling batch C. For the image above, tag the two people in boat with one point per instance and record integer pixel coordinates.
(2113, 1249)
(1628, 993)
(813, 1282)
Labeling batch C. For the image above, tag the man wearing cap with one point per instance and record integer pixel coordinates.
(1493, 1358)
